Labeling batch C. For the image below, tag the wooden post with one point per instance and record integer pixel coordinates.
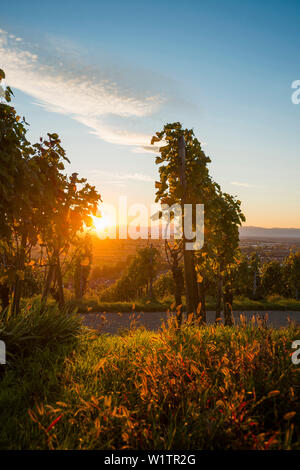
(151, 274)
(187, 254)
(254, 285)
(61, 300)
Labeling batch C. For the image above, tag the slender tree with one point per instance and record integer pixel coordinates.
(190, 184)
(223, 215)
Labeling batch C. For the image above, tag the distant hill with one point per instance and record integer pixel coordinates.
(261, 232)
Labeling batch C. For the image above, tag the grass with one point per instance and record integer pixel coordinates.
(36, 328)
(209, 387)
(87, 306)
(271, 303)
(92, 304)
(240, 304)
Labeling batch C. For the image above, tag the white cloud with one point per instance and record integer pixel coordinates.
(244, 185)
(154, 149)
(88, 98)
(122, 177)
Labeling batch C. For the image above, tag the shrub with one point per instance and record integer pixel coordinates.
(35, 327)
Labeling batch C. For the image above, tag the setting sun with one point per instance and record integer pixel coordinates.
(101, 223)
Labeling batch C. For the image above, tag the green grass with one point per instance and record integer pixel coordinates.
(208, 387)
(36, 328)
(272, 303)
(91, 304)
(87, 305)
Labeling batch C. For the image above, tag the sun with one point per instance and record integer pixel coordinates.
(101, 223)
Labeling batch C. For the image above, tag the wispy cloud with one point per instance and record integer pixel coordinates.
(152, 148)
(244, 185)
(92, 97)
(120, 179)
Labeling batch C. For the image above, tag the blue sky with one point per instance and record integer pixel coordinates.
(107, 75)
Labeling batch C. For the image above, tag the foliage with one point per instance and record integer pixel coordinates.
(39, 203)
(136, 279)
(198, 183)
(272, 278)
(108, 271)
(81, 265)
(192, 184)
(15, 174)
(291, 270)
(164, 285)
(201, 388)
(35, 328)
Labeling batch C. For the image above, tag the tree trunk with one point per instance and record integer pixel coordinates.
(178, 281)
(188, 274)
(61, 300)
(195, 293)
(177, 276)
(187, 254)
(179, 316)
(219, 297)
(78, 281)
(4, 295)
(17, 296)
(202, 313)
(48, 283)
(19, 281)
(228, 301)
(254, 285)
(151, 288)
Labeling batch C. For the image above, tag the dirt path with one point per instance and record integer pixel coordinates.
(114, 322)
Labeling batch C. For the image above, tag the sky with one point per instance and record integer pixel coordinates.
(107, 75)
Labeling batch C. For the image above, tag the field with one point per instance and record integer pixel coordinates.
(211, 387)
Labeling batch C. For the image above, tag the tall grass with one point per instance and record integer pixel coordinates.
(35, 327)
(211, 387)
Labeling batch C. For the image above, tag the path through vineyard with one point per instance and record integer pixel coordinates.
(113, 323)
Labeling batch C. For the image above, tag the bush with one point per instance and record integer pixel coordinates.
(164, 285)
(37, 327)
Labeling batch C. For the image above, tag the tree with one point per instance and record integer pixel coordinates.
(255, 268)
(38, 203)
(137, 279)
(221, 232)
(190, 185)
(20, 196)
(173, 255)
(70, 203)
(291, 270)
(164, 284)
(82, 265)
(247, 282)
(272, 278)
(194, 185)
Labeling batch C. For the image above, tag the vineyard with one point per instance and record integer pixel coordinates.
(187, 383)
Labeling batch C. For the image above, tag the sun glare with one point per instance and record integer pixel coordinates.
(101, 223)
